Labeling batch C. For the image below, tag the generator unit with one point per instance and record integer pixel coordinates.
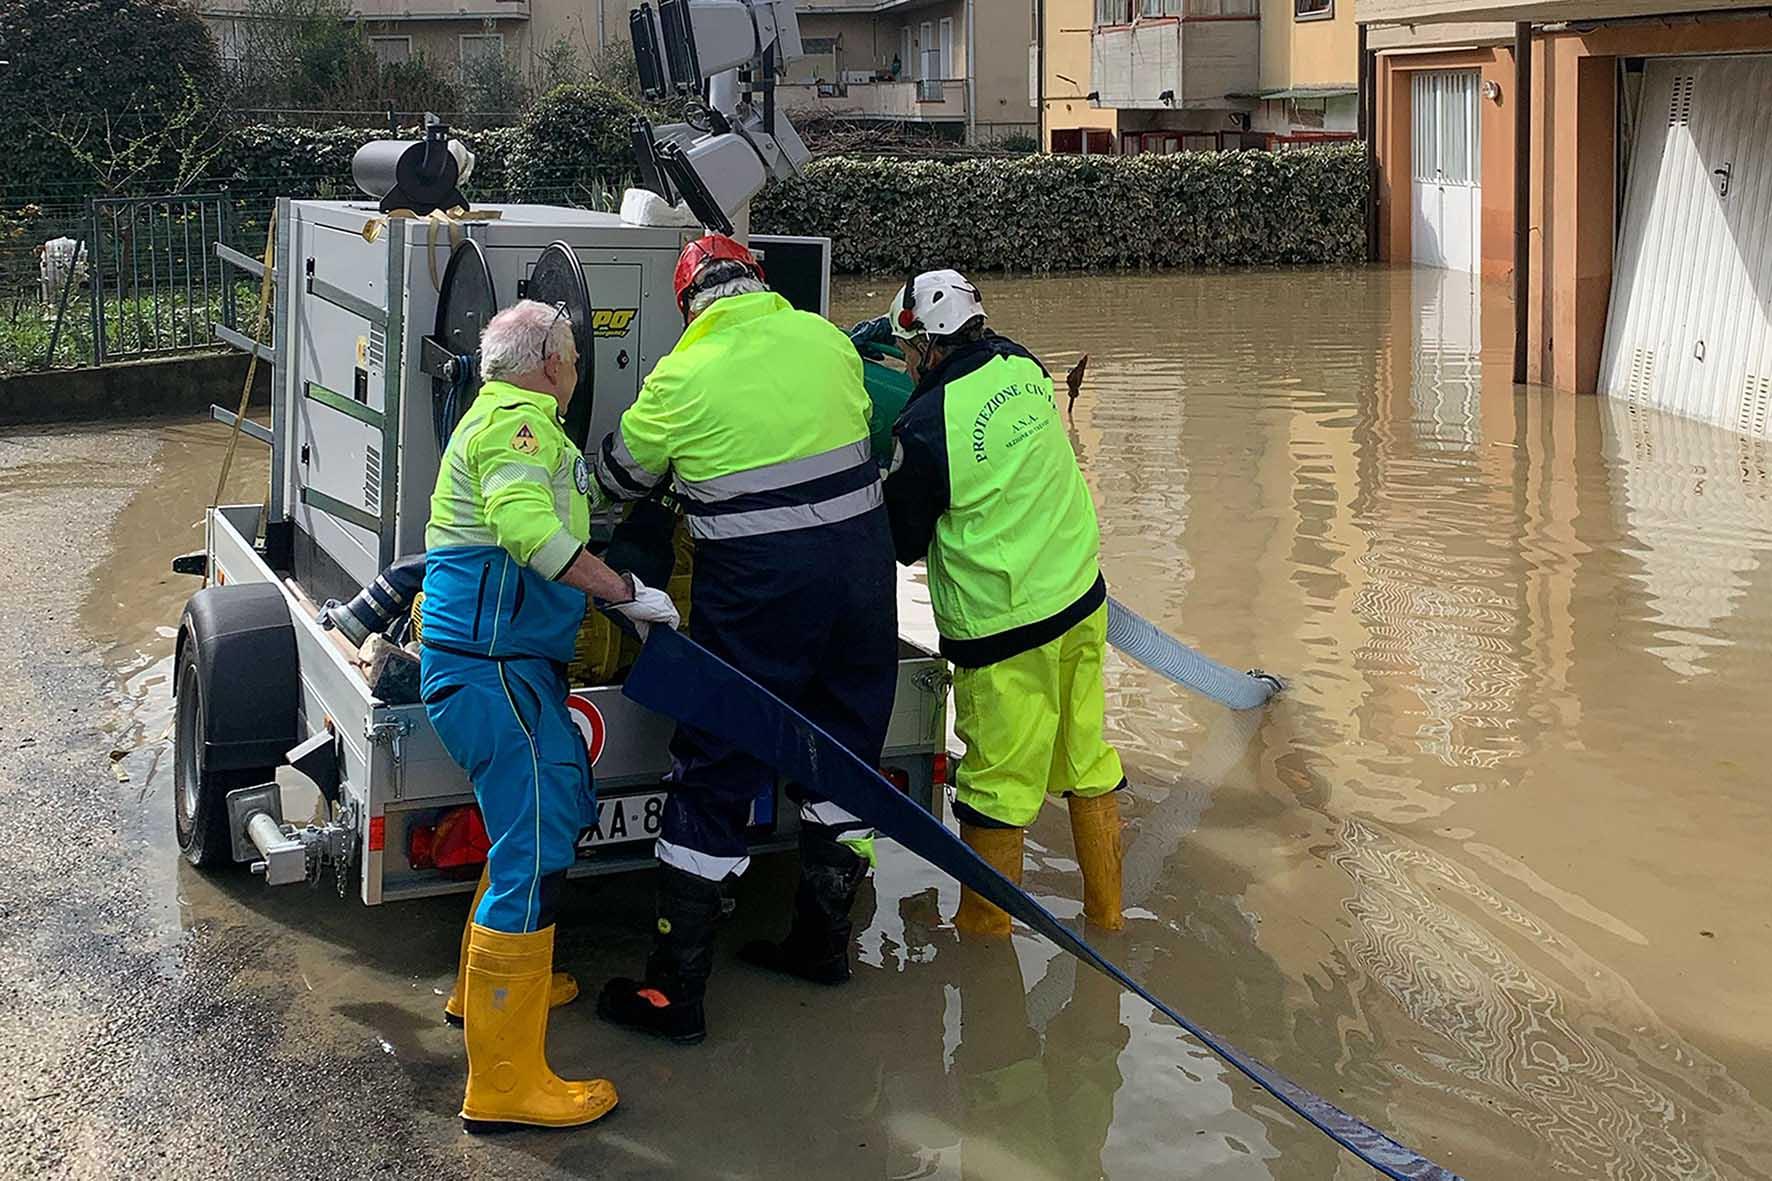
(375, 355)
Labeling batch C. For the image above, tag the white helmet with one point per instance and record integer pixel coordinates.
(938, 303)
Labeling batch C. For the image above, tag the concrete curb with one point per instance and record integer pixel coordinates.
(135, 389)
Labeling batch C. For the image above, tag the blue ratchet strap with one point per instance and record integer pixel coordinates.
(677, 677)
(1146, 643)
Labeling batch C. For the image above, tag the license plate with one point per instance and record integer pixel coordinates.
(625, 818)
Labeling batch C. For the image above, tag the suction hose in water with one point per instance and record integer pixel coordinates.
(1141, 640)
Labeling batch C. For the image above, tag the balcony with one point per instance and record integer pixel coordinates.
(440, 10)
(1174, 54)
(1535, 11)
(930, 100)
(397, 10)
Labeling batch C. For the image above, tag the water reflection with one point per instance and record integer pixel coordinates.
(1695, 497)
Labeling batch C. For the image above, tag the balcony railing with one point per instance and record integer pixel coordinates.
(398, 10)
(931, 98)
(1172, 63)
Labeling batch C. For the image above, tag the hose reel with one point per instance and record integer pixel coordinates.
(466, 300)
(558, 279)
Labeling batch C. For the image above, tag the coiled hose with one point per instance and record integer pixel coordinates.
(447, 410)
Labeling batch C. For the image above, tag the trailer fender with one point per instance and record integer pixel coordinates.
(250, 673)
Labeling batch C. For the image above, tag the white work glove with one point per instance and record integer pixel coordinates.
(647, 607)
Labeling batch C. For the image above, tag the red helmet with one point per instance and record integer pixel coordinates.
(698, 266)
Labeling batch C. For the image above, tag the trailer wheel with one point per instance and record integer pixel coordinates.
(199, 810)
(235, 713)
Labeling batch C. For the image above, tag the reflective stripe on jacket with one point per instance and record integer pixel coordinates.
(510, 512)
(760, 415)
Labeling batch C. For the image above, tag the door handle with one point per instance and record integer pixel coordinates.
(1723, 174)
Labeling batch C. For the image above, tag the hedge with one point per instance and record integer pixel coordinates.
(1039, 213)
(887, 216)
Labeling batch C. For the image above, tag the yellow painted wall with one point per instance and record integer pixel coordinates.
(1307, 52)
(575, 21)
(1276, 43)
(1067, 70)
(1326, 51)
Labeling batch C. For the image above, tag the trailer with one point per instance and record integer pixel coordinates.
(299, 752)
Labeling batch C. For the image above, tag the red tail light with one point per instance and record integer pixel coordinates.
(421, 846)
(939, 768)
(897, 777)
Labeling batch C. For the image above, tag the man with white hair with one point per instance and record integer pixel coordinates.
(760, 416)
(506, 580)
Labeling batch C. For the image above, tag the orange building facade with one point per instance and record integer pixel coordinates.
(1582, 65)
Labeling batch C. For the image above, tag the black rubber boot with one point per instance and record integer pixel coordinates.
(817, 946)
(668, 1003)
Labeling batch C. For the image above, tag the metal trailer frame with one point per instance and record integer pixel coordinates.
(393, 773)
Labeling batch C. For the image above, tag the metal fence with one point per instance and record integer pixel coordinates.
(156, 284)
(119, 279)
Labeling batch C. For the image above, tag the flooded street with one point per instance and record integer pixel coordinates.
(1491, 874)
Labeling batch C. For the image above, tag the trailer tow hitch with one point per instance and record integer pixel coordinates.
(287, 854)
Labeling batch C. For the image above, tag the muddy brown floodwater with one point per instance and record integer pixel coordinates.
(1491, 874)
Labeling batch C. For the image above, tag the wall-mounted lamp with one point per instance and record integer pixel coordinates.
(1240, 120)
(1167, 98)
(1093, 96)
(1492, 90)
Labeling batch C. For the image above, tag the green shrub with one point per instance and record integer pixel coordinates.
(90, 56)
(572, 137)
(1042, 213)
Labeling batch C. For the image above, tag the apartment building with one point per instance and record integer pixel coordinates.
(956, 67)
(449, 33)
(1128, 76)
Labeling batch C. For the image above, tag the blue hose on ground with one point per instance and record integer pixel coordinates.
(682, 680)
(1149, 645)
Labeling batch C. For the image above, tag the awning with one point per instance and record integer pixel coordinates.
(1304, 93)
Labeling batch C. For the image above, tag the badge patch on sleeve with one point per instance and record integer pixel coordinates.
(524, 441)
(581, 475)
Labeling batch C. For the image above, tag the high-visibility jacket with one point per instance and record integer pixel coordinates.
(510, 512)
(985, 485)
(760, 415)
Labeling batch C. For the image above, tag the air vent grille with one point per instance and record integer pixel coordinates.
(1679, 106)
(372, 481)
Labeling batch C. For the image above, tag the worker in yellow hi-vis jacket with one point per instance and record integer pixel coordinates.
(506, 576)
(760, 419)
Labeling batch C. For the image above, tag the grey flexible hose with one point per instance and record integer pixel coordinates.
(1143, 641)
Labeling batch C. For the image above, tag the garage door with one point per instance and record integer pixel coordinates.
(1688, 328)
(1445, 157)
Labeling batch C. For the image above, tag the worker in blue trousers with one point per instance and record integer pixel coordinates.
(760, 416)
(506, 579)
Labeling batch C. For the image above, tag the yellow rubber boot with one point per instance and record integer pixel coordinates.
(1001, 850)
(562, 989)
(509, 1081)
(1095, 827)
